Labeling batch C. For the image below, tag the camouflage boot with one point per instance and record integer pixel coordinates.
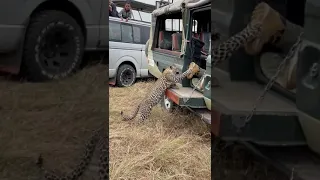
(272, 25)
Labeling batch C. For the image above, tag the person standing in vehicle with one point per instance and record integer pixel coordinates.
(113, 9)
(126, 12)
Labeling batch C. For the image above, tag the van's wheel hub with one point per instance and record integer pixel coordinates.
(56, 49)
(126, 77)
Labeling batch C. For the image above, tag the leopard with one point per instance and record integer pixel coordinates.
(168, 79)
(98, 140)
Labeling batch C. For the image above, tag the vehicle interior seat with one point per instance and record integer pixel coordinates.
(176, 41)
(165, 40)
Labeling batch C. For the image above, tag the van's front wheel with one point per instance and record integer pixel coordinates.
(53, 46)
(126, 75)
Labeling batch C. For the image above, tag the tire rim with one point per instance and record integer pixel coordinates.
(127, 77)
(56, 48)
(167, 103)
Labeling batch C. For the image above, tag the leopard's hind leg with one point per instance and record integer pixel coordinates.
(145, 113)
(132, 115)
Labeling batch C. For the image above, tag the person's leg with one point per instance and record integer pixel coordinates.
(287, 40)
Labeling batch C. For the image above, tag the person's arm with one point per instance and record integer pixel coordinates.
(130, 14)
(114, 10)
(120, 13)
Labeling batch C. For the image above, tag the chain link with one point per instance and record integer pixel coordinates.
(289, 55)
(185, 100)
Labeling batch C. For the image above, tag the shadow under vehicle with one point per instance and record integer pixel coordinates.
(285, 126)
(179, 35)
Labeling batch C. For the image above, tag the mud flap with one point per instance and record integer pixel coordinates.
(112, 81)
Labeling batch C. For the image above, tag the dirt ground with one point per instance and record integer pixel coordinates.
(167, 146)
(54, 119)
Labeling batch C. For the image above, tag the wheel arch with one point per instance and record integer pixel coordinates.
(61, 5)
(129, 63)
(128, 60)
(122, 63)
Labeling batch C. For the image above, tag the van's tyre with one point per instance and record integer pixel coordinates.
(53, 47)
(126, 75)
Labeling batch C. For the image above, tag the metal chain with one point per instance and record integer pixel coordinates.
(289, 55)
(185, 100)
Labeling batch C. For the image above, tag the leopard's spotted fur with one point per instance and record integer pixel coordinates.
(168, 79)
(224, 50)
(98, 140)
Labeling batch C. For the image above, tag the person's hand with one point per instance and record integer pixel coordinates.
(121, 19)
(195, 68)
(127, 20)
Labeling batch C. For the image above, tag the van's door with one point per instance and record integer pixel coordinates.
(104, 25)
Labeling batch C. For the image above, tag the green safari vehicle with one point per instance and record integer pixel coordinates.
(179, 35)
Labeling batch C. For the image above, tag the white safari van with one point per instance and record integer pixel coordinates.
(127, 59)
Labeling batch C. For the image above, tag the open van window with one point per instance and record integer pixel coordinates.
(169, 34)
(128, 32)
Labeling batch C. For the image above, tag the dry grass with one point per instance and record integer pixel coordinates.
(53, 118)
(167, 146)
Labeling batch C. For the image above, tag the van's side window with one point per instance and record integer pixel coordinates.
(127, 35)
(136, 34)
(145, 31)
(114, 31)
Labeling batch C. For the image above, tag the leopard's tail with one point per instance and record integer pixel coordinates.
(81, 167)
(132, 116)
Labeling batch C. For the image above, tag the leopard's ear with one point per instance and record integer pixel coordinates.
(170, 67)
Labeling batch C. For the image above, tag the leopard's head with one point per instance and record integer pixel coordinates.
(171, 70)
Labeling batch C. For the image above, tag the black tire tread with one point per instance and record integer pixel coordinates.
(124, 66)
(29, 67)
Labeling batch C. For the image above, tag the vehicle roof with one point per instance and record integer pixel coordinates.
(176, 6)
(132, 21)
(136, 5)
